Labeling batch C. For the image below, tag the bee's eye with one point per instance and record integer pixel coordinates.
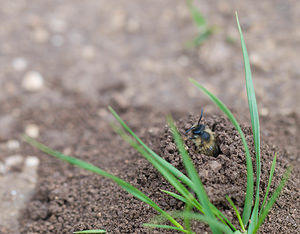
(197, 131)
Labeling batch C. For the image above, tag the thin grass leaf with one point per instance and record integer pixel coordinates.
(273, 199)
(227, 112)
(193, 216)
(87, 166)
(175, 195)
(170, 167)
(92, 231)
(186, 219)
(188, 164)
(254, 122)
(205, 219)
(218, 214)
(202, 37)
(237, 213)
(150, 225)
(196, 15)
(222, 217)
(269, 183)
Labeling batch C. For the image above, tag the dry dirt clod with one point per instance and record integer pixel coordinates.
(215, 166)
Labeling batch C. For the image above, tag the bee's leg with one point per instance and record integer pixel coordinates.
(201, 142)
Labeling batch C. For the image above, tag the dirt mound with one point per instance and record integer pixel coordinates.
(68, 198)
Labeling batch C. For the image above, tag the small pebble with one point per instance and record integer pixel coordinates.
(13, 161)
(215, 166)
(13, 192)
(88, 52)
(13, 144)
(40, 35)
(32, 130)
(32, 161)
(19, 64)
(33, 81)
(257, 61)
(120, 101)
(264, 111)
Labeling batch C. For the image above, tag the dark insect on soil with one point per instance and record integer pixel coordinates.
(204, 139)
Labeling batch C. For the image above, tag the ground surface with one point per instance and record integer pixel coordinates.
(129, 54)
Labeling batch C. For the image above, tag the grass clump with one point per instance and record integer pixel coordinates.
(205, 30)
(189, 187)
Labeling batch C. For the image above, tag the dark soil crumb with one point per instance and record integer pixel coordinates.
(69, 199)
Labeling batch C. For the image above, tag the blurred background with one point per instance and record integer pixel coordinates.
(136, 52)
(56, 54)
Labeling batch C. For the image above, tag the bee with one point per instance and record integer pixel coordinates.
(204, 139)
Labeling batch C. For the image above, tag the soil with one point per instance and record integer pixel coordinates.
(69, 199)
(91, 54)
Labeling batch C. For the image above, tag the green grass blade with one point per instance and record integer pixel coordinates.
(269, 184)
(150, 225)
(87, 166)
(92, 231)
(186, 219)
(193, 216)
(254, 122)
(196, 15)
(175, 195)
(163, 162)
(205, 219)
(273, 199)
(222, 217)
(237, 212)
(227, 112)
(193, 174)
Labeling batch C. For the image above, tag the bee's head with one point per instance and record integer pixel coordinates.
(199, 128)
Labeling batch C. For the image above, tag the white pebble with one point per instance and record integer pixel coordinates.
(33, 81)
(264, 111)
(19, 64)
(13, 192)
(32, 130)
(13, 144)
(32, 161)
(13, 160)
